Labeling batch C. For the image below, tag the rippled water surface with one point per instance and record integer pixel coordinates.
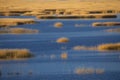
(47, 63)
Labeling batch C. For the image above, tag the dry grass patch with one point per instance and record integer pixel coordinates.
(58, 24)
(35, 4)
(98, 16)
(109, 47)
(80, 71)
(84, 48)
(78, 16)
(113, 30)
(6, 22)
(87, 6)
(106, 24)
(101, 47)
(100, 71)
(34, 13)
(15, 53)
(62, 40)
(9, 14)
(64, 55)
(18, 31)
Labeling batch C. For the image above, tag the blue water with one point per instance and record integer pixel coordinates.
(47, 63)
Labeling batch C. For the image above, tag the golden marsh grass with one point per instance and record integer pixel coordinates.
(106, 24)
(58, 24)
(18, 31)
(113, 30)
(80, 71)
(101, 47)
(6, 22)
(14, 53)
(62, 40)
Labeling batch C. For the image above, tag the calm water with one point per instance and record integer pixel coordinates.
(47, 63)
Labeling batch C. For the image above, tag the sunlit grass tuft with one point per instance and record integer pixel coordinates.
(58, 24)
(113, 30)
(62, 40)
(109, 47)
(80, 71)
(15, 53)
(101, 47)
(106, 24)
(64, 55)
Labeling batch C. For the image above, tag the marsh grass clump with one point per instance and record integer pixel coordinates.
(84, 71)
(97, 24)
(7, 22)
(101, 47)
(105, 24)
(77, 16)
(33, 13)
(79, 48)
(17, 31)
(22, 30)
(9, 14)
(15, 53)
(62, 40)
(99, 71)
(80, 71)
(64, 55)
(109, 47)
(113, 30)
(84, 48)
(58, 24)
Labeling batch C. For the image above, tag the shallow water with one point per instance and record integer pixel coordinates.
(47, 63)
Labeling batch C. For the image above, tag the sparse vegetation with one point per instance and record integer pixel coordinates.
(64, 55)
(17, 31)
(6, 22)
(84, 71)
(58, 24)
(100, 71)
(101, 47)
(82, 16)
(106, 24)
(80, 25)
(15, 53)
(84, 48)
(80, 71)
(109, 47)
(113, 30)
(62, 40)
(33, 13)
(9, 14)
